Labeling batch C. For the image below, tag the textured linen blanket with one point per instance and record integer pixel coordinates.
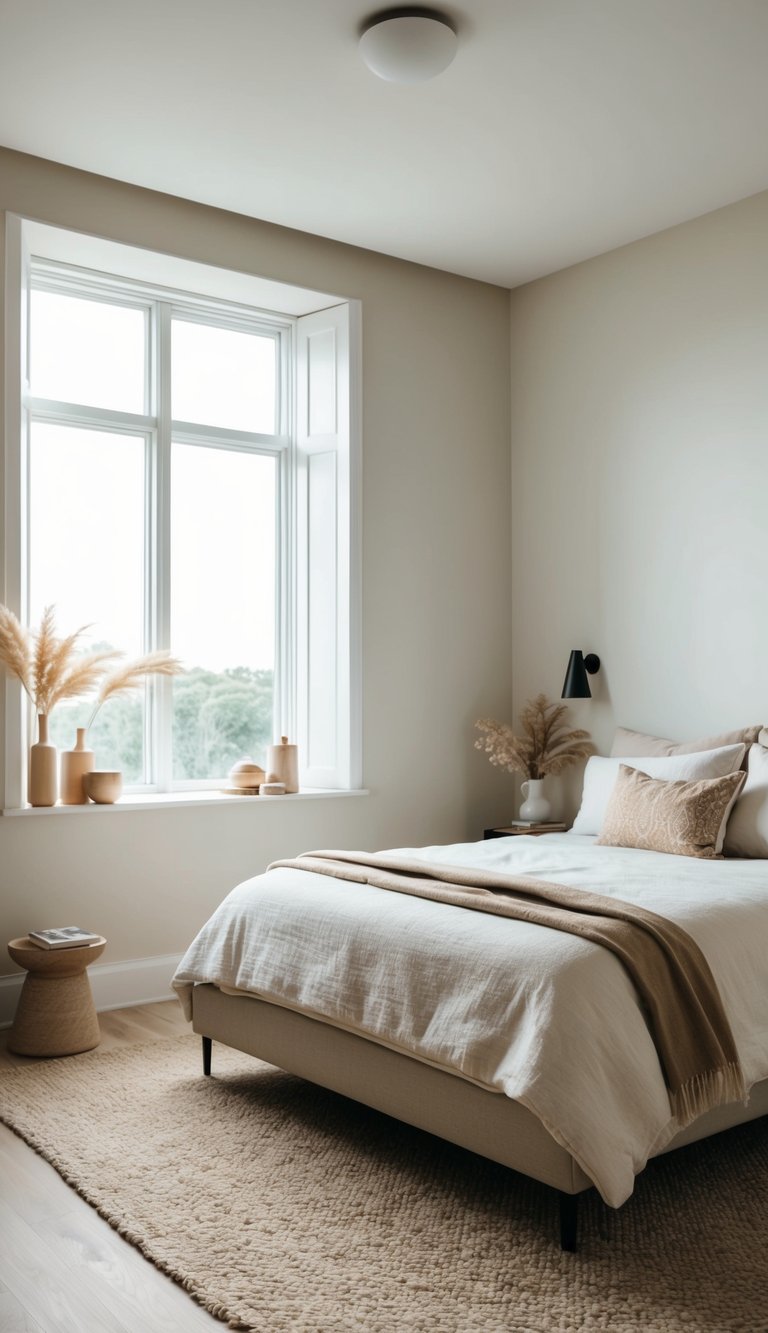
(544, 1017)
(690, 1030)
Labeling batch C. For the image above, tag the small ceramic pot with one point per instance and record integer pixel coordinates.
(102, 786)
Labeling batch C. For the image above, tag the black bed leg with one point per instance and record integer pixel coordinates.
(207, 1046)
(569, 1215)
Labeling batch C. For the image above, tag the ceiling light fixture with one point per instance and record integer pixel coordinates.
(408, 44)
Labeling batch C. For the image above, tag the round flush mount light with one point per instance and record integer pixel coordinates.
(408, 45)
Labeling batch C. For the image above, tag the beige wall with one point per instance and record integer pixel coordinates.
(639, 394)
(436, 582)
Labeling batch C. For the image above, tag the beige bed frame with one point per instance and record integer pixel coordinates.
(444, 1104)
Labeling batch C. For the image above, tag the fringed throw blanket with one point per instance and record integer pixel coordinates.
(687, 1021)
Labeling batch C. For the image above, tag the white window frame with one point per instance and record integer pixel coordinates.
(290, 683)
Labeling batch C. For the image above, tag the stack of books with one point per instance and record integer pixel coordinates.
(536, 823)
(63, 937)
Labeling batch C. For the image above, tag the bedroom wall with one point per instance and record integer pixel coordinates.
(639, 391)
(436, 583)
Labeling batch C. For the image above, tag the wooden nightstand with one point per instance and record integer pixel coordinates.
(55, 1013)
(532, 830)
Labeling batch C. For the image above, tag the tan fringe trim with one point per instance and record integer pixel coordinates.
(703, 1092)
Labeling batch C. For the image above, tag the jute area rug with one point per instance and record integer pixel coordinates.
(280, 1206)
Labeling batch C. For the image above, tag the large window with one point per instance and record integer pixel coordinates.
(184, 483)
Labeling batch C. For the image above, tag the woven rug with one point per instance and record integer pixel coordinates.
(280, 1206)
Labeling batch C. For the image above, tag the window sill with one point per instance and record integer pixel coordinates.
(180, 800)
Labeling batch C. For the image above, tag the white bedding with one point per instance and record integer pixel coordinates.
(546, 1018)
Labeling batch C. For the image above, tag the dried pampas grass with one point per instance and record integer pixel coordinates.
(85, 673)
(45, 664)
(44, 652)
(131, 675)
(15, 648)
(50, 670)
(545, 747)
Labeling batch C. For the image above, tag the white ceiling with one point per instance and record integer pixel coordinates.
(562, 129)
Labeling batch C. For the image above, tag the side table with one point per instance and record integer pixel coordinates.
(55, 1014)
(531, 830)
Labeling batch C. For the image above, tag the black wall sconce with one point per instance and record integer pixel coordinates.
(576, 684)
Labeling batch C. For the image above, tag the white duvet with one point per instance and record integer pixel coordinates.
(543, 1017)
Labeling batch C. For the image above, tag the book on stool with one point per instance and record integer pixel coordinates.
(63, 937)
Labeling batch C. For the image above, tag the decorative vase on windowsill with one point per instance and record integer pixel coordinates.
(49, 671)
(42, 766)
(75, 763)
(545, 746)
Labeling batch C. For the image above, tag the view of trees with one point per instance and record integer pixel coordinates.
(218, 718)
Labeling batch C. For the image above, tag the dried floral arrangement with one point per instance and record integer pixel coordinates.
(545, 747)
(47, 666)
(50, 670)
(130, 675)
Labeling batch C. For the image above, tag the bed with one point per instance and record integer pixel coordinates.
(512, 1040)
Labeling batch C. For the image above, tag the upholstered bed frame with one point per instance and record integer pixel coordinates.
(444, 1104)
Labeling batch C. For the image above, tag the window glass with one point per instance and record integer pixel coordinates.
(156, 478)
(223, 572)
(89, 352)
(86, 557)
(223, 378)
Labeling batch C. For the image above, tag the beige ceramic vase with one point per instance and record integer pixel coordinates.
(283, 764)
(74, 766)
(42, 766)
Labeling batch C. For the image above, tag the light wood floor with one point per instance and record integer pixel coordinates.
(62, 1268)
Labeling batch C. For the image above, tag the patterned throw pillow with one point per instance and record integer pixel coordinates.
(683, 818)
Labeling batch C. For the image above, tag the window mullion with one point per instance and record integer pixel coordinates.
(92, 418)
(216, 437)
(284, 716)
(162, 686)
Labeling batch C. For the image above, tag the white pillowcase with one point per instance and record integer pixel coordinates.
(600, 776)
(747, 831)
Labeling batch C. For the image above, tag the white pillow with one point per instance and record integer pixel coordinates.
(600, 776)
(747, 831)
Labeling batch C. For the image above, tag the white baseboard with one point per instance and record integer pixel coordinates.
(114, 985)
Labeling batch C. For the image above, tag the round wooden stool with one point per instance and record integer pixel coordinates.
(56, 1014)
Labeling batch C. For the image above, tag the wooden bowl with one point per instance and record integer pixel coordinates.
(246, 774)
(103, 787)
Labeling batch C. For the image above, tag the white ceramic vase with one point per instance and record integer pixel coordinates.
(535, 808)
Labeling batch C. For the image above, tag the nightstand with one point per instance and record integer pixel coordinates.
(532, 830)
(55, 1013)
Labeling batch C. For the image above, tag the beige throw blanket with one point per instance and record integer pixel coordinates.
(689, 1027)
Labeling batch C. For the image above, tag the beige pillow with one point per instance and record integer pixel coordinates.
(627, 742)
(683, 818)
(638, 744)
(747, 831)
(600, 776)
